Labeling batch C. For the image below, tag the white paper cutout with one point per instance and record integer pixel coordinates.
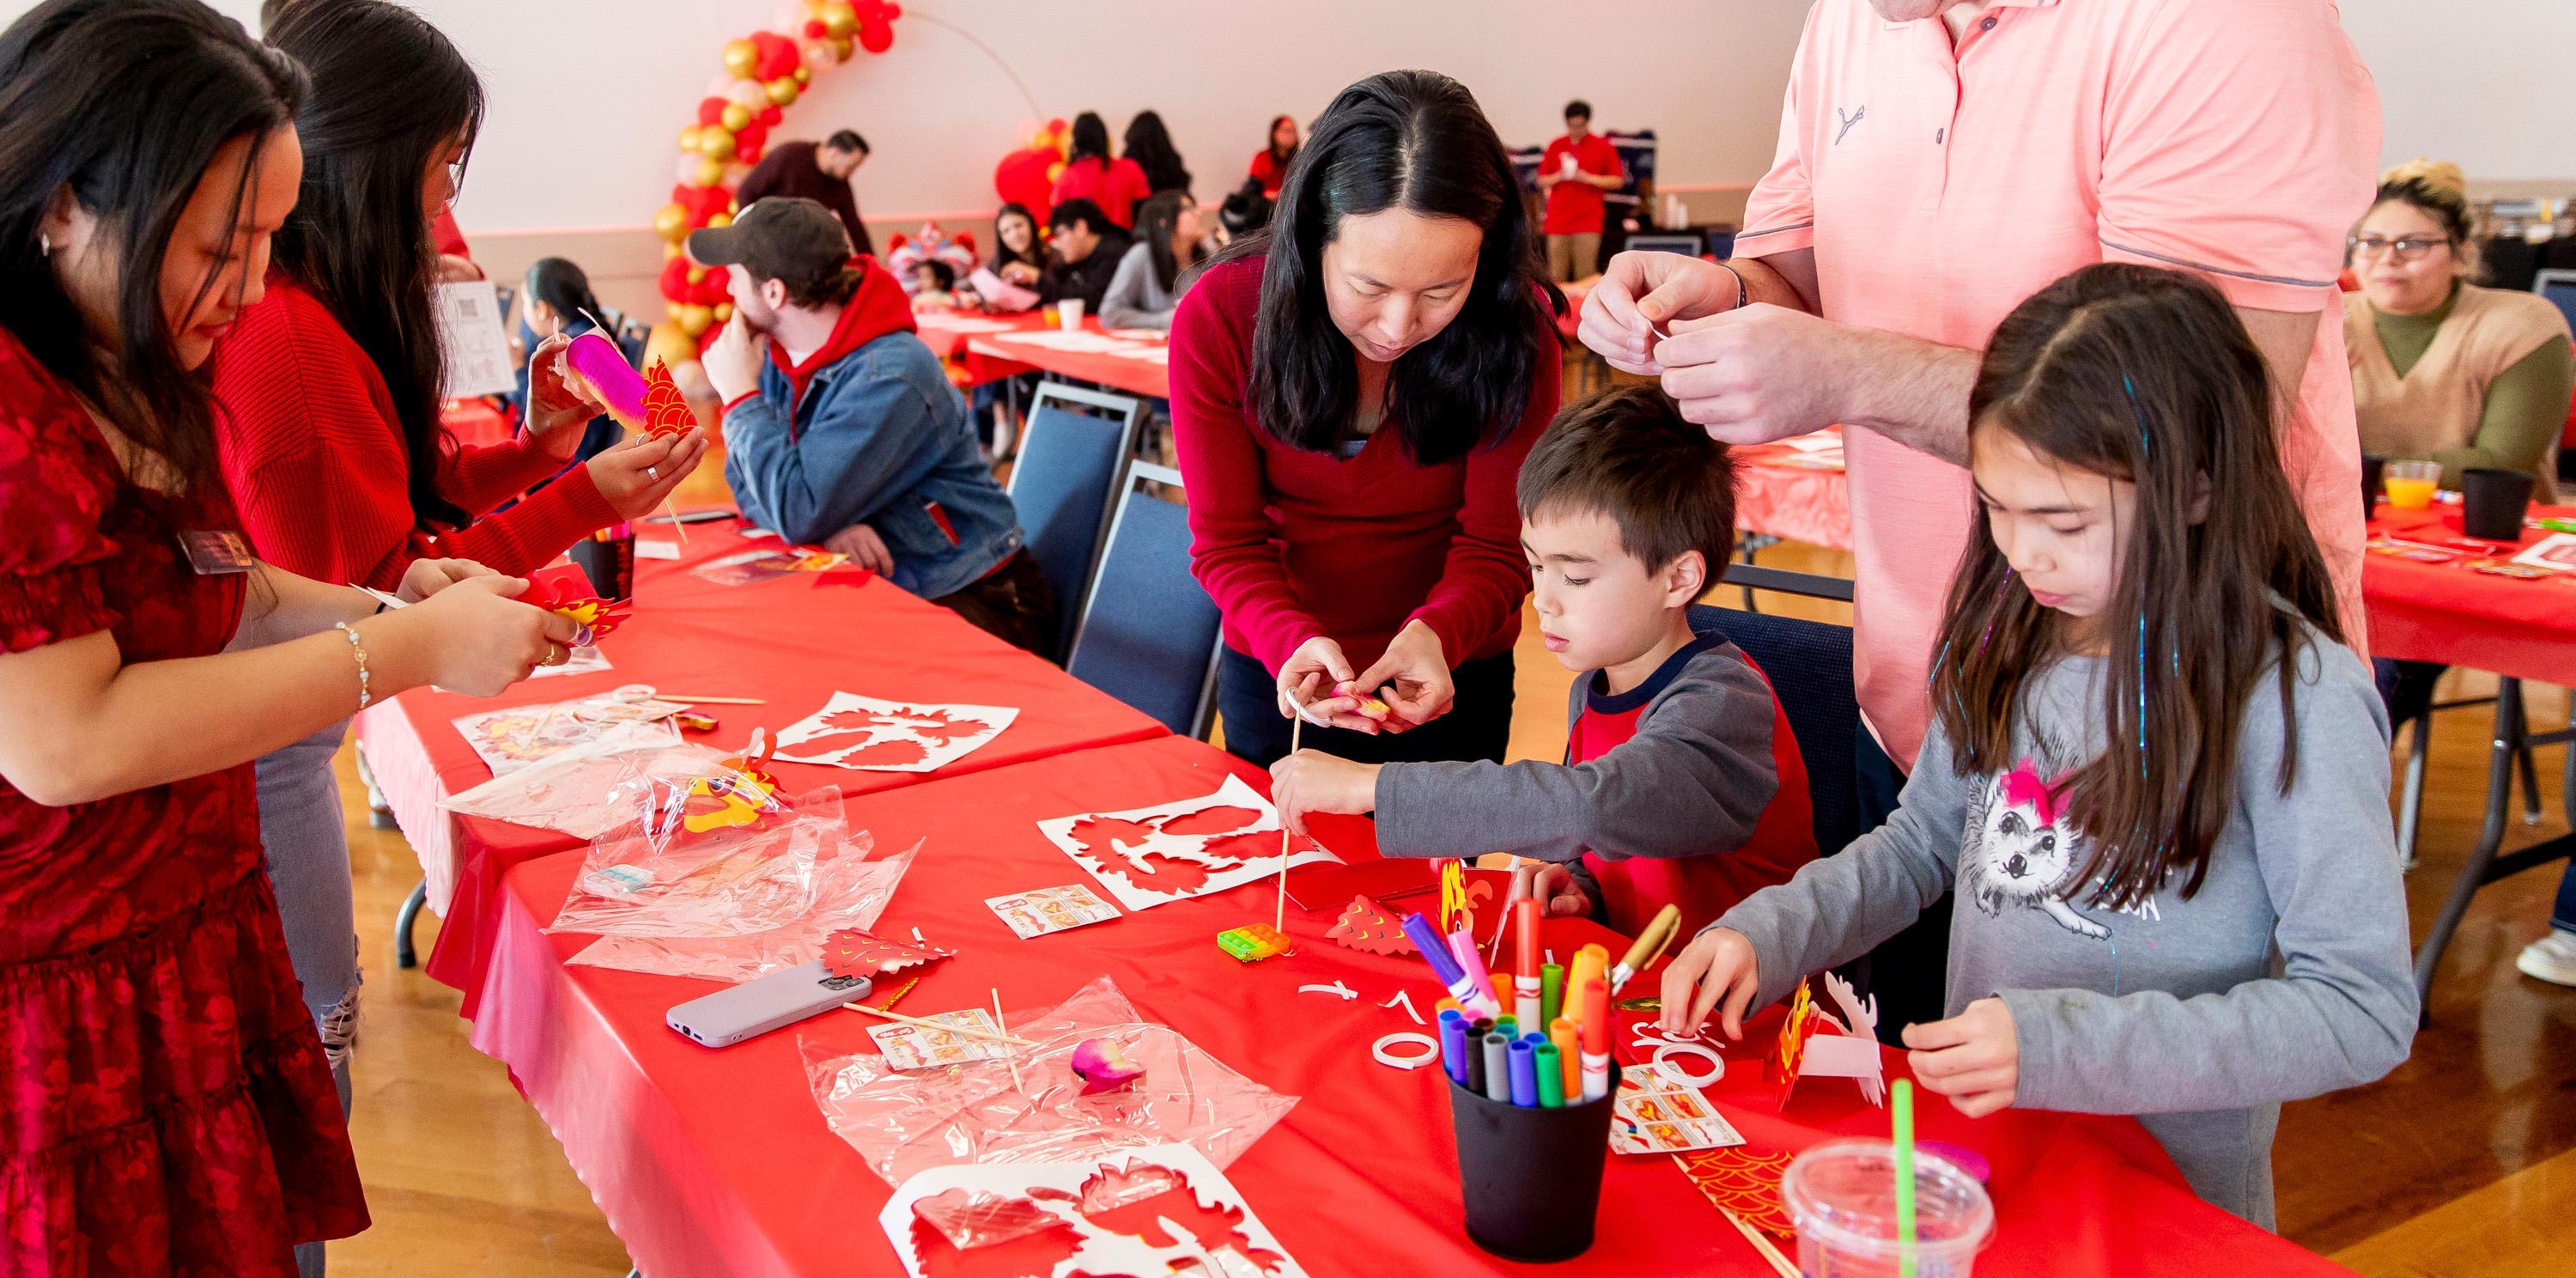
(1136, 853)
(1336, 989)
(870, 735)
(1854, 1055)
(1228, 1242)
(1404, 1000)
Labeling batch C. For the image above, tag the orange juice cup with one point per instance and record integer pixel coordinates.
(2410, 483)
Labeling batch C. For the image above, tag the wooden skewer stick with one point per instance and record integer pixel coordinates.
(966, 1030)
(708, 701)
(1279, 920)
(1007, 1058)
(1779, 1263)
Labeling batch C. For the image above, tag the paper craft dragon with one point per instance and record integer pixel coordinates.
(741, 795)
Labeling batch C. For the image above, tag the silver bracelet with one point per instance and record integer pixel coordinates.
(1742, 294)
(366, 694)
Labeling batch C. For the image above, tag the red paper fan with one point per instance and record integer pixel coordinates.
(1743, 1182)
(666, 410)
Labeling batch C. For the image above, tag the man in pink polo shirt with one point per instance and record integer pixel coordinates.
(1940, 162)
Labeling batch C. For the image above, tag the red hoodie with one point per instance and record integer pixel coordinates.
(878, 308)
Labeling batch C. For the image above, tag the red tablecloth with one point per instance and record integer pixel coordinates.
(475, 423)
(2447, 613)
(993, 355)
(1800, 503)
(789, 641)
(719, 1162)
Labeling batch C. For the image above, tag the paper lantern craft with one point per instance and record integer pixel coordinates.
(666, 410)
(603, 367)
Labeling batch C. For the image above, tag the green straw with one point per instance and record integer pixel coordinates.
(1903, 1091)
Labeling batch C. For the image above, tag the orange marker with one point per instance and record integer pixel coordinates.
(1591, 963)
(1562, 1033)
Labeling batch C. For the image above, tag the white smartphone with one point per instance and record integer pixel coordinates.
(756, 1007)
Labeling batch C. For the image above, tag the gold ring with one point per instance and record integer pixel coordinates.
(557, 654)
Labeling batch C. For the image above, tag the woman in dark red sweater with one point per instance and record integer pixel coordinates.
(330, 436)
(1352, 393)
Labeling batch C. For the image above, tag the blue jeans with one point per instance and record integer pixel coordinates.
(307, 842)
(2563, 915)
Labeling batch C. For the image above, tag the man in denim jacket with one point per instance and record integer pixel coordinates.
(842, 430)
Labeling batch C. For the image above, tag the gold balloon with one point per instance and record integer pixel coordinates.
(669, 345)
(724, 312)
(689, 139)
(840, 19)
(671, 250)
(696, 319)
(710, 173)
(782, 91)
(842, 48)
(803, 75)
(673, 309)
(741, 57)
(715, 144)
(671, 223)
(697, 274)
(721, 219)
(736, 118)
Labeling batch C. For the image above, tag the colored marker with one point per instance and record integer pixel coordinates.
(1596, 1039)
(1507, 1026)
(1569, 1056)
(1524, 1075)
(1462, 947)
(1650, 945)
(1591, 963)
(1445, 1004)
(1475, 1080)
(1444, 965)
(1551, 1075)
(1551, 992)
(1453, 1046)
(1525, 963)
(1498, 1068)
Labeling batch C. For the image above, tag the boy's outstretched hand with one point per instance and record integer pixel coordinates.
(1974, 1058)
(1552, 886)
(1717, 964)
(1313, 781)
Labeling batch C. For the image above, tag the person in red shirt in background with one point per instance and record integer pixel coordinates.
(1089, 174)
(1270, 164)
(330, 437)
(1353, 390)
(1572, 175)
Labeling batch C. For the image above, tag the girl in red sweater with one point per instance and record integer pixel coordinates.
(164, 1107)
(1090, 174)
(330, 434)
(1352, 393)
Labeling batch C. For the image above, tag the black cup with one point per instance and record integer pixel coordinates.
(1531, 1178)
(611, 565)
(2370, 468)
(2492, 503)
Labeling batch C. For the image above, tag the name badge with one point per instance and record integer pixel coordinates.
(215, 554)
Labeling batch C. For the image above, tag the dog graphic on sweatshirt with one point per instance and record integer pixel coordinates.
(2022, 850)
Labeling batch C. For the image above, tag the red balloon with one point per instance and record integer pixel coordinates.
(1021, 177)
(753, 137)
(815, 30)
(778, 55)
(711, 111)
(711, 289)
(746, 155)
(770, 116)
(675, 278)
(876, 37)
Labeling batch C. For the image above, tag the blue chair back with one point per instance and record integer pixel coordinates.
(1061, 484)
(1149, 631)
(1809, 664)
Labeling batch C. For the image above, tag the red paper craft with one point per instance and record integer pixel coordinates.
(851, 952)
(1015, 1236)
(1742, 1181)
(565, 593)
(740, 796)
(666, 410)
(1148, 1202)
(1366, 926)
(1791, 1050)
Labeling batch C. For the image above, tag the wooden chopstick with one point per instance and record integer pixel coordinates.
(966, 1030)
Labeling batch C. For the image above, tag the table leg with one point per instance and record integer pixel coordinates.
(2530, 769)
(404, 955)
(2512, 740)
(2410, 801)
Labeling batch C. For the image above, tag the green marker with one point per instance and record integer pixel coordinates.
(1551, 992)
(1902, 1105)
(1551, 1076)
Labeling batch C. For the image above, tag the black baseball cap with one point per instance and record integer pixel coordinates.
(779, 238)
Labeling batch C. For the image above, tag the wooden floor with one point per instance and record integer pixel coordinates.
(2461, 1163)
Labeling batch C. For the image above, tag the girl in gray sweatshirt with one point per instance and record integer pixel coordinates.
(2157, 780)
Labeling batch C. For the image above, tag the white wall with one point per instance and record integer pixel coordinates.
(588, 95)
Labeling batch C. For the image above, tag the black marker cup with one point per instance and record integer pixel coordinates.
(1531, 1177)
(2371, 465)
(2492, 503)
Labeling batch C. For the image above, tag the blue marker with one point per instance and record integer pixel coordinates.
(1453, 1046)
(1524, 1069)
(1498, 1068)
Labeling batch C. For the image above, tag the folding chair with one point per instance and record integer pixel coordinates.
(1149, 632)
(1069, 465)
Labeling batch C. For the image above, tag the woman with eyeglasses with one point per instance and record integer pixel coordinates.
(2443, 369)
(2447, 371)
(330, 437)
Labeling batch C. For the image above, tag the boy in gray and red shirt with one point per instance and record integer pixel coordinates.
(1681, 784)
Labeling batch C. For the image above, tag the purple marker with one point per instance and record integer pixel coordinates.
(1524, 1068)
(1435, 951)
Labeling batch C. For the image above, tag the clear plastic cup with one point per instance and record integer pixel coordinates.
(1842, 1197)
(2410, 484)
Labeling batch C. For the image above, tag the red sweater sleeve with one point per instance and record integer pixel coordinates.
(314, 455)
(1486, 576)
(1232, 546)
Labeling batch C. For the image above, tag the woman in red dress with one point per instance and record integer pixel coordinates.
(164, 1105)
(1090, 174)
